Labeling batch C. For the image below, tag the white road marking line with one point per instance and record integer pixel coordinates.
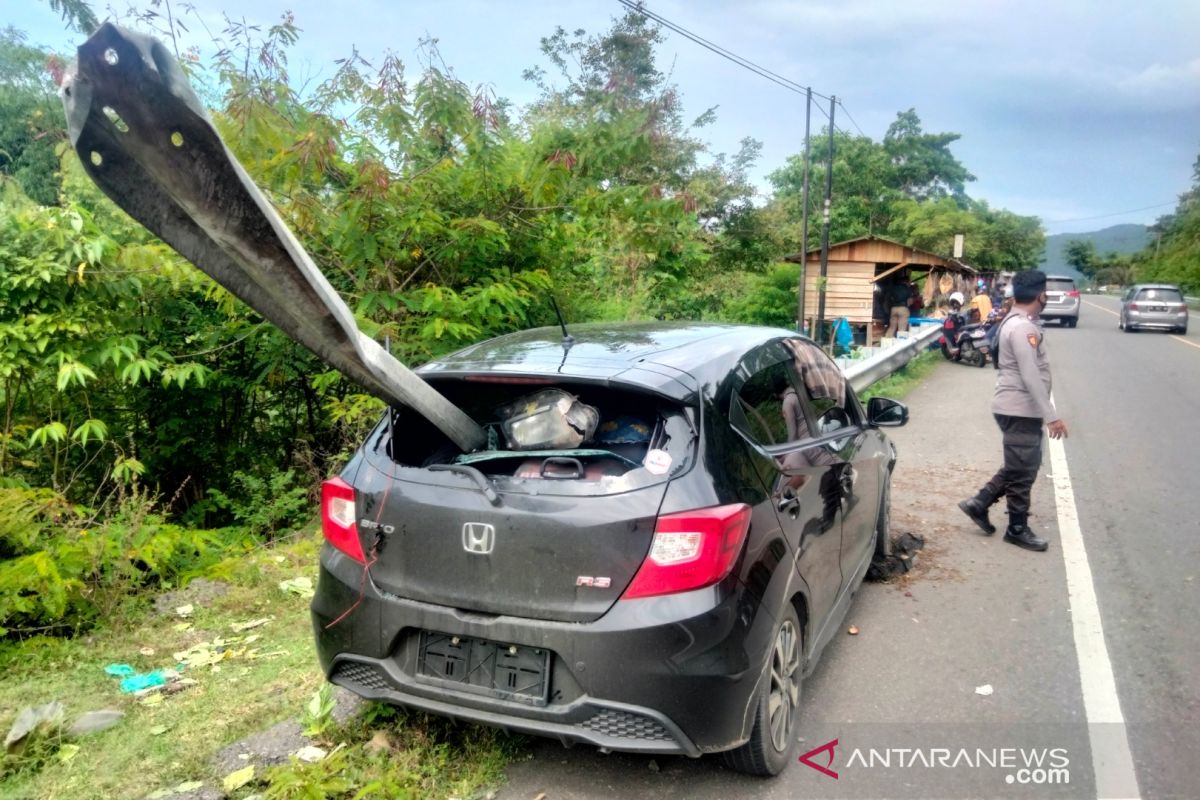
(1185, 341)
(1112, 761)
(1102, 308)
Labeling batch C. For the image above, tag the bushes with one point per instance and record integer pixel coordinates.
(59, 571)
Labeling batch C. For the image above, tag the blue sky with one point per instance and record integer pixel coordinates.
(1085, 113)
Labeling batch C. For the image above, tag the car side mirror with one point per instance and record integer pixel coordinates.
(883, 412)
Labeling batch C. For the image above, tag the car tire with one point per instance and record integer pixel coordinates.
(1073, 322)
(883, 520)
(773, 741)
(1181, 330)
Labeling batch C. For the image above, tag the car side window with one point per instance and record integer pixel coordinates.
(824, 387)
(767, 406)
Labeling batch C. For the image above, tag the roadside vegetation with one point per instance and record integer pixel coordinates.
(1172, 256)
(155, 432)
(242, 648)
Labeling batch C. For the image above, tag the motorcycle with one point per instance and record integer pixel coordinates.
(965, 343)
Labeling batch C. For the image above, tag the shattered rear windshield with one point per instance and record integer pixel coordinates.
(572, 439)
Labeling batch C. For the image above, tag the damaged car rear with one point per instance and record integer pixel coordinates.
(665, 528)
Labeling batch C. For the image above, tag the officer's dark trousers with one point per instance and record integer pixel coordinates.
(1022, 457)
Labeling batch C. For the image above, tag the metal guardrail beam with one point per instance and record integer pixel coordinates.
(864, 373)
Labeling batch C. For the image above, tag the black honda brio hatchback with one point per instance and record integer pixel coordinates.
(665, 529)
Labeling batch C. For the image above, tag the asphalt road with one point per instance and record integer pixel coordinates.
(908, 697)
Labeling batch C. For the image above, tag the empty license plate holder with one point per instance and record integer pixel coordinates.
(480, 666)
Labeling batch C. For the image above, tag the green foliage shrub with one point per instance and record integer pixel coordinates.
(267, 505)
(62, 570)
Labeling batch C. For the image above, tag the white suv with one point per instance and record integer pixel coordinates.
(1062, 300)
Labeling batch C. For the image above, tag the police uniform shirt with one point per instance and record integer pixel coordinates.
(1023, 386)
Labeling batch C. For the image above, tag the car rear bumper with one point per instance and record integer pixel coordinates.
(1061, 312)
(670, 674)
(1141, 319)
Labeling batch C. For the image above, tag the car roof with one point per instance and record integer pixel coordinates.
(669, 358)
(1156, 286)
(1060, 278)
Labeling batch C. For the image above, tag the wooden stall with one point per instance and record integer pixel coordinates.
(857, 266)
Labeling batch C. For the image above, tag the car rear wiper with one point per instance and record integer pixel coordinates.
(473, 474)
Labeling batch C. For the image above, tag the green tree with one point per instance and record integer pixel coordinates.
(1175, 257)
(77, 14)
(1081, 255)
(31, 119)
(923, 166)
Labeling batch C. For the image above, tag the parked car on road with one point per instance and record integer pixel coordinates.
(1062, 301)
(1153, 305)
(666, 531)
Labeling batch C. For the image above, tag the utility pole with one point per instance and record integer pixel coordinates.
(804, 225)
(825, 229)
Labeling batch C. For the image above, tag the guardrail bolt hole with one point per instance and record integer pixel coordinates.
(177, 139)
(116, 120)
(97, 159)
(111, 57)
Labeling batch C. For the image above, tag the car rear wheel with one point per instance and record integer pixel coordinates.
(773, 739)
(1073, 322)
(883, 523)
(1182, 330)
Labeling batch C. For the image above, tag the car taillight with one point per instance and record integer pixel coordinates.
(691, 550)
(337, 518)
(1133, 306)
(1073, 293)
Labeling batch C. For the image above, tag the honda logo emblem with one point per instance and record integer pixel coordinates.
(478, 537)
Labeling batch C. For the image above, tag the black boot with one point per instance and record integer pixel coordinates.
(1023, 536)
(977, 510)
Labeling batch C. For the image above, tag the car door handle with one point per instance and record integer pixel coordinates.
(790, 506)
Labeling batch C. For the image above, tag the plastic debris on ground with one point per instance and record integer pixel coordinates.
(985, 690)
(31, 718)
(302, 586)
(119, 670)
(142, 681)
(902, 558)
(185, 611)
(95, 721)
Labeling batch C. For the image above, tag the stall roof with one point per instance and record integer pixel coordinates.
(879, 250)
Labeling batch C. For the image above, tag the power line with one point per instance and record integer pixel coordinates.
(852, 120)
(745, 63)
(1112, 214)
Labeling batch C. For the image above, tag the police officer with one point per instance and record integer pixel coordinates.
(1021, 405)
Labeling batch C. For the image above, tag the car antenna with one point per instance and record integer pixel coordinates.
(568, 339)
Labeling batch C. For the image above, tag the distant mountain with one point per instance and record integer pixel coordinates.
(1115, 239)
